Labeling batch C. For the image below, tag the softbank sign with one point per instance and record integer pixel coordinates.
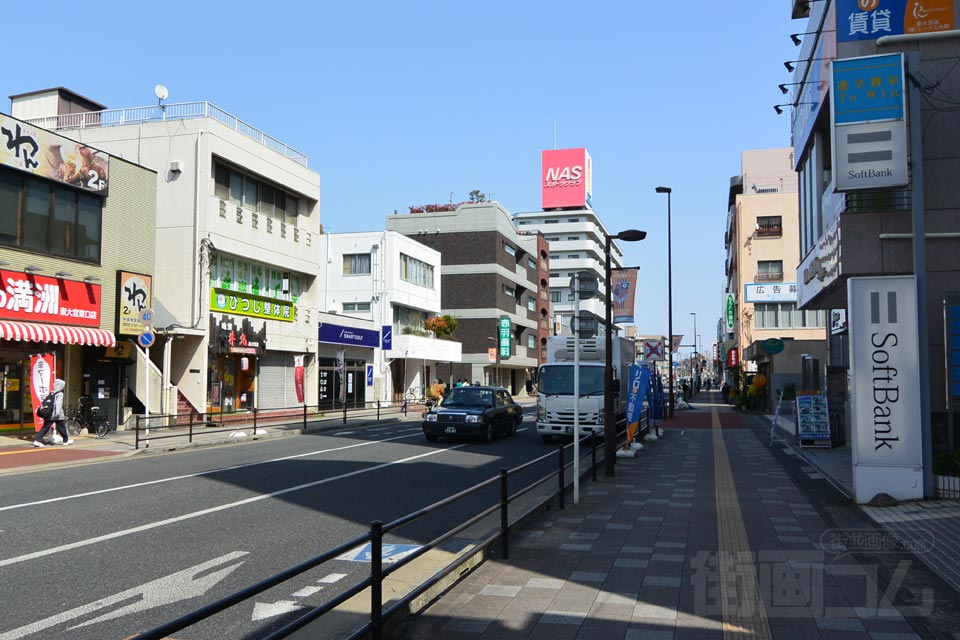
(566, 177)
(884, 369)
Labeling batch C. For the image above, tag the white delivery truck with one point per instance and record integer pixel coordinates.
(555, 393)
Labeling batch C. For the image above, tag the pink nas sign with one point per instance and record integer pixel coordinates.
(566, 178)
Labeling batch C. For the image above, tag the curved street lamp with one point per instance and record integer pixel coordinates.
(609, 428)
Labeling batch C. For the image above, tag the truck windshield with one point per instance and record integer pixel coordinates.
(557, 380)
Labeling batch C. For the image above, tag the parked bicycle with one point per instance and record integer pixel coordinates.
(90, 417)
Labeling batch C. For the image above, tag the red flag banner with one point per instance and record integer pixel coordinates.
(42, 368)
(623, 291)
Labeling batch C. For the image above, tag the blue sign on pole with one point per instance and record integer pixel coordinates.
(369, 375)
(868, 89)
(337, 334)
(386, 337)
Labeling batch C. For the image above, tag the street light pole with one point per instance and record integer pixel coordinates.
(695, 368)
(668, 191)
(609, 415)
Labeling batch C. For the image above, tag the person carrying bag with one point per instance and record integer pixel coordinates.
(53, 416)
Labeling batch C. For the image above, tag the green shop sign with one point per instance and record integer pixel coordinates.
(245, 304)
(731, 312)
(772, 345)
(504, 336)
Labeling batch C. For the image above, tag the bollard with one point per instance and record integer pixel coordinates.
(562, 483)
(254, 421)
(504, 522)
(136, 437)
(146, 433)
(304, 417)
(344, 411)
(376, 578)
(378, 411)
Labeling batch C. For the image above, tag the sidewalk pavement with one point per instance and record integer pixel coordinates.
(707, 533)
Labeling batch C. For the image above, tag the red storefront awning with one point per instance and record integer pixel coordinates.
(36, 332)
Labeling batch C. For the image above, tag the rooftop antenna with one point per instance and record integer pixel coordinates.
(161, 92)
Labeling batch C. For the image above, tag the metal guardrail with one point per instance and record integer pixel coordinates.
(167, 426)
(378, 573)
(158, 113)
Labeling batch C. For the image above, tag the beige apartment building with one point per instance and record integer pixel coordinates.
(769, 335)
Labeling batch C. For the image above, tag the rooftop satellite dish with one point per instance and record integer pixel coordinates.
(161, 92)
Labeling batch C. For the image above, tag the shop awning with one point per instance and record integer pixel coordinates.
(36, 332)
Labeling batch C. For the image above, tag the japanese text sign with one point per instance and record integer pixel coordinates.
(27, 296)
(42, 153)
(245, 304)
(765, 292)
(133, 297)
(504, 337)
(872, 19)
(566, 178)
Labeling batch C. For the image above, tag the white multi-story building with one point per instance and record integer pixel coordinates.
(394, 282)
(237, 232)
(576, 239)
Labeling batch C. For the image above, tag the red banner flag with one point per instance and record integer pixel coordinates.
(623, 291)
(42, 371)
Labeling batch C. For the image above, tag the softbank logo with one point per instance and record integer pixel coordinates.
(886, 391)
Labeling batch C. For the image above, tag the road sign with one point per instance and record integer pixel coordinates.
(146, 338)
(146, 316)
(653, 350)
(586, 284)
(585, 325)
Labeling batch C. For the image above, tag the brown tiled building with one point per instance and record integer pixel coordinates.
(488, 272)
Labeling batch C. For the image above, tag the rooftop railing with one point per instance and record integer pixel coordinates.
(176, 111)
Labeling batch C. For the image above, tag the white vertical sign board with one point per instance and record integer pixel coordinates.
(885, 375)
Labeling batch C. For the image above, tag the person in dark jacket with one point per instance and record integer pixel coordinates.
(58, 419)
(725, 392)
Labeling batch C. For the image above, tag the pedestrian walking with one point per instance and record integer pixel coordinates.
(57, 419)
(725, 392)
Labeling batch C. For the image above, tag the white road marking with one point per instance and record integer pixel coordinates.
(195, 475)
(181, 585)
(263, 611)
(333, 577)
(203, 512)
(306, 592)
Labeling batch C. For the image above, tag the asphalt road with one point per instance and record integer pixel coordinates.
(111, 550)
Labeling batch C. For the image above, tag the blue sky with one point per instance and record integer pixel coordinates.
(399, 104)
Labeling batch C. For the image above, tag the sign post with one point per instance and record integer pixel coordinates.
(146, 339)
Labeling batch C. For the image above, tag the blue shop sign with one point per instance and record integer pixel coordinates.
(337, 334)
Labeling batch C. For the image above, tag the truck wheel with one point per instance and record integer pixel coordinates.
(547, 439)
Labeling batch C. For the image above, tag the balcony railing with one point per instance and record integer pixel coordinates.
(770, 276)
(769, 232)
(176, 111)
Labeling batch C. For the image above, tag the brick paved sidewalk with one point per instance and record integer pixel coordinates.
(706, 534)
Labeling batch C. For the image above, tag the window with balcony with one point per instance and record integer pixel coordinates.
(254, 194)
(573, 219)
(556, 296)
(769, 226)
(356, 264)
(573, 256)
(44, 218)
(769, 270)
(416, 271)
(573, 238)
